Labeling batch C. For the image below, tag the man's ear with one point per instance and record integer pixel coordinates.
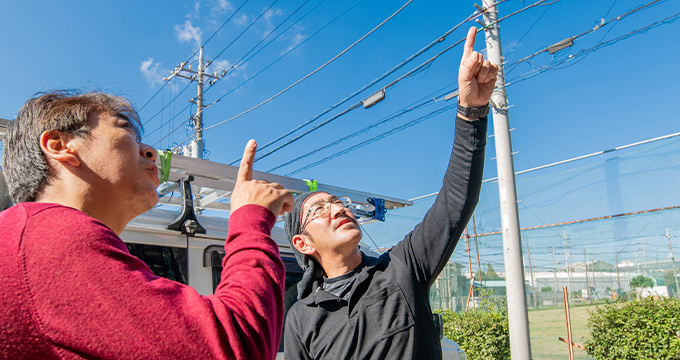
(58, 146)
(302, 244)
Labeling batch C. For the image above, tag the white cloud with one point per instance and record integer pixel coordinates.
(222, 6)
(151, 72)
(218, 65)
(241, 20)
(295, 38)
(268, 16)
(188, 33)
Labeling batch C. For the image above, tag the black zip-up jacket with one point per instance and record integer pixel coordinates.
(388, 315)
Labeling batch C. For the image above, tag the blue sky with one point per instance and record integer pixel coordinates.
(615, 95)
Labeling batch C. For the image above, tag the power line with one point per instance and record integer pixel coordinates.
(312, 73)
(192, 55)
(597, 47)
(246, 29)
(286, 53)
(375, 138)
(386, 119)
(373, 82)
(223, 24)
(414, 71)
(240, 61)
(571, 39)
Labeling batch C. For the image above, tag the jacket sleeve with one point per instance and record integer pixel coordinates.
(94, 299)
(427, 248)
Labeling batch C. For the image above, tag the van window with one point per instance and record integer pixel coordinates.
(164, 261)
(213, 257)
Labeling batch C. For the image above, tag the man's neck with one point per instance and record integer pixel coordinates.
(81, 197)
(341, 264)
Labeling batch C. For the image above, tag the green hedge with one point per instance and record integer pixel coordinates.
(641, 329)
(482, 333)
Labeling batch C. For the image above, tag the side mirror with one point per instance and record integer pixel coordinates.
(438, 324)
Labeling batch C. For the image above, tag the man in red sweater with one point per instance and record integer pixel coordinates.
(69, 288)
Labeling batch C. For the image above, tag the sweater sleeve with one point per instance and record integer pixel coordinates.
(92, 298)
(427, 248)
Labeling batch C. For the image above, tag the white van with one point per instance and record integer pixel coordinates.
(197, 260)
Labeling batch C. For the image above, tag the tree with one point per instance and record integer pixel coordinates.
(641, 281)
(491, 273)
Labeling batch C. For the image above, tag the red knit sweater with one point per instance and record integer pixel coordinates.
(70, 289)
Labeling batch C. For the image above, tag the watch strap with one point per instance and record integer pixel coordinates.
(474, 112)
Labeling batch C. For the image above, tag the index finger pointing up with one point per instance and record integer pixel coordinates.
(470, 42)
(245, 171)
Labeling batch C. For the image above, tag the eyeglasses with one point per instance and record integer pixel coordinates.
(322, 208)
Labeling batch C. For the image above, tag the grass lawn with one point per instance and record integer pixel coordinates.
(545, 326)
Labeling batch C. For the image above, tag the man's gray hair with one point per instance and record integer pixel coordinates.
(24, 165)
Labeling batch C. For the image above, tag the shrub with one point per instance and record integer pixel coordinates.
(483, 332)
(546, 289)
(641, 281)
(641, 329)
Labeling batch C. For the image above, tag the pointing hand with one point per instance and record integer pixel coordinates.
(476, 76)
(248, 191)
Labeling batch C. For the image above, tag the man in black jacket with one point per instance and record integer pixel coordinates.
(353, 306)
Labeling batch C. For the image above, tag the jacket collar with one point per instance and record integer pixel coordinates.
(319, 295)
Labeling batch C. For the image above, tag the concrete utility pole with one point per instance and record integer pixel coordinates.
(520, 347)
(552, 250)
(618, 278)
(531, 268)
(675, 271)
(585, 263)
(197, 145)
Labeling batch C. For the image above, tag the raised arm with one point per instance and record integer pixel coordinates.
(428, 247)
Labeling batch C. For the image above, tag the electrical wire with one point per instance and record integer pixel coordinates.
(246, 29)
(166, 106)
(374, 81)
(597, 47)
(192, 55)
(241, 60)
(414, 71)
(223, 24)
(284, 54)
(312, 73)
(618, 18)
(403, 111)
(376, 138)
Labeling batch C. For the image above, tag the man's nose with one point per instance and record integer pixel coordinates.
(147, 152)
(337, 210)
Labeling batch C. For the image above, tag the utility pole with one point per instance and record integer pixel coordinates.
(594, 277)
(566, 255)
(531, 268)
(184, 71)
(675, 271)
(585, 263)
(644, 256)
(518, 319)
(552, 250)
(618, 278)
(479, 264)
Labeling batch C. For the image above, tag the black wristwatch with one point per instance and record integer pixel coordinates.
(474, 112)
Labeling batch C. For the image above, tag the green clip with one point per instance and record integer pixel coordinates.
(311, 184)
(165, 156)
